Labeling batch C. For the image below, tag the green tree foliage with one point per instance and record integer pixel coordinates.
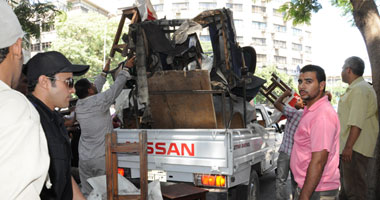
(33, 14)
(80, 37)
(336, 91)
(266, 74)
(300, 10)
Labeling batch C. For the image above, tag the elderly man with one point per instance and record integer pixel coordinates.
(24, 154)
(93, 114)
(315, 155)
(358, 114)
(50, 80)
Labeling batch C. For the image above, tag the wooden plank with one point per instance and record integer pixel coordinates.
(182, 191)
(108, 166)
(114, 168)
(133, 147)
(128, 197)
(143, 165)
(181, 110)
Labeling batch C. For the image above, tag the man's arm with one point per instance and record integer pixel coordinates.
(278, 104)
(314, 173)
(352, 137)
(77, 194)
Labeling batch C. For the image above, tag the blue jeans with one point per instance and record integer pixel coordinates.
(283, 169)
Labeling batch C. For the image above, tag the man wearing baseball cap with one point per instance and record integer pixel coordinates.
(24, 154)
(50, 84)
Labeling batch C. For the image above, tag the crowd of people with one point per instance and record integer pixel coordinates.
(36, 150)
(327, 153)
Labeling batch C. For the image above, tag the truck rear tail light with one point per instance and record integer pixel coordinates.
(210, 180)
(120, 171)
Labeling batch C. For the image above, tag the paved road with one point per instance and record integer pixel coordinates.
(267, 186)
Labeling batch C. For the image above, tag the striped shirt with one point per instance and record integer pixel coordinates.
(293, 117)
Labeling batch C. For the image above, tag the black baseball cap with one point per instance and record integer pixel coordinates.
(52, 62)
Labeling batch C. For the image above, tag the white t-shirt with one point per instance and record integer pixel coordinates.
(24, 156)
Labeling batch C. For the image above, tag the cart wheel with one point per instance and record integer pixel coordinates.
(253, 189)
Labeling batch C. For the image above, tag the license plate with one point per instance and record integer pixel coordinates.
(159, 175)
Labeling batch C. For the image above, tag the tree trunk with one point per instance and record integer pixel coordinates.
(367, 20)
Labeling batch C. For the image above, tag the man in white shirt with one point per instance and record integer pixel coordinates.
(93, 114)
(24, 154)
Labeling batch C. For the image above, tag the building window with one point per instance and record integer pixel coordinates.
(296, 47)
(236, 7)
(238, 22)
(180, 6)
(279, 28)
(259, 41)
(296, 31)
(261, 58)
(158, 7)
(277, 13)
(296, 61)
(44, 45)
(258, 9)
(308, 49)
(259, 25)
(263, 2)
(279, 43)
(85, 10)
(280, 59)
(207, 5)
(308, 34)
(240, 39)
(205, 38)
(35, 47)
(46, 27)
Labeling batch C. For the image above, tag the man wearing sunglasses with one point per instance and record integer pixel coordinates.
(50, 84)
(24, 158)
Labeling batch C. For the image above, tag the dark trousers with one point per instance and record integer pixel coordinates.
(320, 195)
(354, 177)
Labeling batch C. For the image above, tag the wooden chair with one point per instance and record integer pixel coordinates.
(276, 83)
(131, 13)
(112, 148)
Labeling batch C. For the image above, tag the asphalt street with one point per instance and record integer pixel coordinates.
(268, 186)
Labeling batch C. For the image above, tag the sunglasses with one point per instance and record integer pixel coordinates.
(69, 82)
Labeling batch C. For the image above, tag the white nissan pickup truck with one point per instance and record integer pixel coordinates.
(227, 162)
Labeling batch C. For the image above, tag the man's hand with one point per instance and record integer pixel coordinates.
(278, 103)
(329, 95)
(287, 93)
(130, 62)
(107, 66)
(347, 154)
(352, 137)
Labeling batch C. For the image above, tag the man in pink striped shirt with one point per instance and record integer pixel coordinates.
(315, 156)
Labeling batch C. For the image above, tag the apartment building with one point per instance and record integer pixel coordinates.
(48, 34)
(258, 23)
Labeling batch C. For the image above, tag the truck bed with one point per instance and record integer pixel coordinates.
(183, 152)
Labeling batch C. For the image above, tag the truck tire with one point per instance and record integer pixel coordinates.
(253, 189)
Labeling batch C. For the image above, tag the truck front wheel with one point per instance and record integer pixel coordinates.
(253, 189)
